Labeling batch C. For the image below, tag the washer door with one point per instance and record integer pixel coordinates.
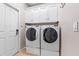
(50, 35)
(31, 34)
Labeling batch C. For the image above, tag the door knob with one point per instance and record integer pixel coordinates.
(17, 31)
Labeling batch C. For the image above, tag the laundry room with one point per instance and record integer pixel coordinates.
(39, 29)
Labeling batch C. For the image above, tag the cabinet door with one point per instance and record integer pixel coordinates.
(52, 13)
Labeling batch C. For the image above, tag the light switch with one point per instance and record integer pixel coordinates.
(75, 26)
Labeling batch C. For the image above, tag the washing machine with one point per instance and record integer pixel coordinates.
(32, 39)
(50, 40)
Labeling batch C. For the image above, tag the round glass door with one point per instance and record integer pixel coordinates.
(31, 34)
(50, 35)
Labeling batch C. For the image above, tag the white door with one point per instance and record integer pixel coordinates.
(9, 41)
(12, 41)
(2, 30)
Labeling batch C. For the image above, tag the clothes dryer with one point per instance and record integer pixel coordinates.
(32, 39)
(50, 40)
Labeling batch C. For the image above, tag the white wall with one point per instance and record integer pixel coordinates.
(69, 38)
(21, 7)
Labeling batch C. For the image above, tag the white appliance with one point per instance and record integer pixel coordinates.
(49, 40)
(32, 39)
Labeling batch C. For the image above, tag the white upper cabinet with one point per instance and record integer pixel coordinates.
(43, 13)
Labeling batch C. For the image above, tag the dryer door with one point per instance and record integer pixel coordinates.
(50, 35)
(31, 34)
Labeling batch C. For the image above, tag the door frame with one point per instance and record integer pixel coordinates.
(17, 10)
